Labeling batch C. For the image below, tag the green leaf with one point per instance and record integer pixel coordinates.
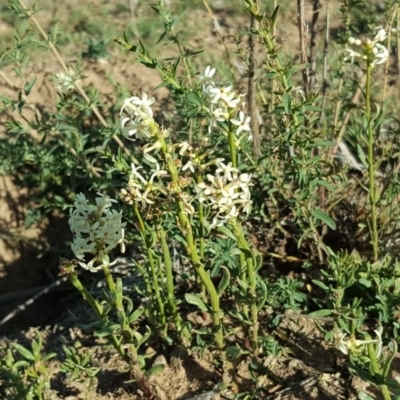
(365, 282)
(48, 356)
(274, 15)
(296, 68)
(145, 337)
(320, 313)
(326, 219)
(136, 314)
(263, 295)
(194, 99)
(323, 183)
(155, 370)
(258, 260)
(24, 352)
(364, 396)
(107, 330)
(313, 108)
(227, 232)
(287, 103)
(393, 384)
(377, 195)
(29, 85)
(233, 352)
(244, 285)
(365, 376)
(362, 157)
(196, 301)
(225, 280)
(320, 284)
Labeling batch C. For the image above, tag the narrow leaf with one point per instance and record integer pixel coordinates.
(325, 218)
(227, 232)
(196, 301)
(24, 352)
(320, 313)
(225, 280)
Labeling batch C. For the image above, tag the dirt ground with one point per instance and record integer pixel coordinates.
(29, 261)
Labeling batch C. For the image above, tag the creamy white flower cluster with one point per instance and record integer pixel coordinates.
(224, 103)
(227, 192)
(142, 190)
(198, 160)
(97, 230)
(369, 49)
(137, 117)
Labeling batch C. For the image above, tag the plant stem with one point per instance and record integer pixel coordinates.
(202, 273)
(170, 279)
(73, 277)
(154, 276)
(377, 372)
(191, 249)
(243, 277)
(201, 237)
(109, 280)
(371, 165)
(251, 278)
(232, 148)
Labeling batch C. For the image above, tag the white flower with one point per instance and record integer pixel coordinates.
(140, 118)
(64, 81)
(381, 35)
(351, 40)
(219, 114)
(242, 123)
(149, 147)
(352, 55)
(381, 54)
(97, 230)
(230, 100)
(208, 74)
(140, 188)
(136, 128)
(184, 147)
(190, 165)
(350, 345)
(219, 92)
(372, 51)
(138, 107)
(136, 174)
(227, 170)
(227, 192)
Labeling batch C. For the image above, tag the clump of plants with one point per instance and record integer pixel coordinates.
(185, 198)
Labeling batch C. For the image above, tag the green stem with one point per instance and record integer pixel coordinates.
(371, 165)
(377, 372)
(232, 148)
(110, 281)
(153, 269)
(191, 249)
(39, 392)
(202, 273)
(170, 279)
(243, 277)
(201, 238)
(251, 275)
(73, 277)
